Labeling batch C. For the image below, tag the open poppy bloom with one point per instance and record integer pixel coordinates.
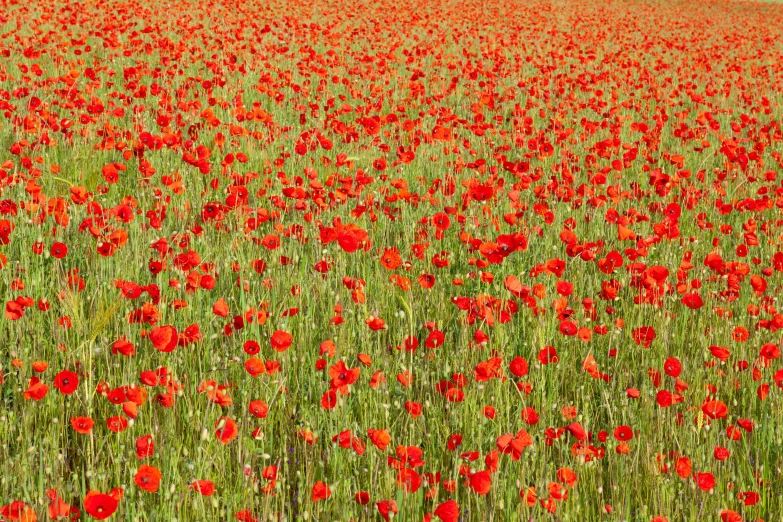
(148, 478)
(226, 429)
(204, 487)
(164, 338)
(100, 506)
(66, 382)
(320, 491)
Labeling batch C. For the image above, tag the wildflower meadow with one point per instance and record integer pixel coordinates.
(353, 260)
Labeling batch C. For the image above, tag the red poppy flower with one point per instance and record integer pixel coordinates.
(447, 511)
(683, 467)
(518, 366)
(548, 355)
(255, 366)
(380, 438)
(251, 347)
(258, 409)
(715, 409)
(672, 367)
(414, 408)
(82, 425)
(387, 508)
(245, 515)
(66, 381)
(164, 338)
(18, 510)
(226, 429)
(434, 339)
(123, 347)
(623, 433)
(36, 390)
(577, 431)
(692, 301)
(342, 376)
(281, 340)
(644, 335)
(329, 400)
(204, 487)
(514, 445)
(100, 506)
(148, 478)
(58, 250)
(705, 481)
(145, 447)
(480, 482)
(116, 424)
(408, 480)
(320, 491)
(391, 259)
(749, 498)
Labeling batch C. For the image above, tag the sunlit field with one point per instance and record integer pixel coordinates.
(495, 260)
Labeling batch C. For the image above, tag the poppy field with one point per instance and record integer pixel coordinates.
(345, 260)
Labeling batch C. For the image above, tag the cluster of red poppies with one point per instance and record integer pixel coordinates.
(486, 260)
